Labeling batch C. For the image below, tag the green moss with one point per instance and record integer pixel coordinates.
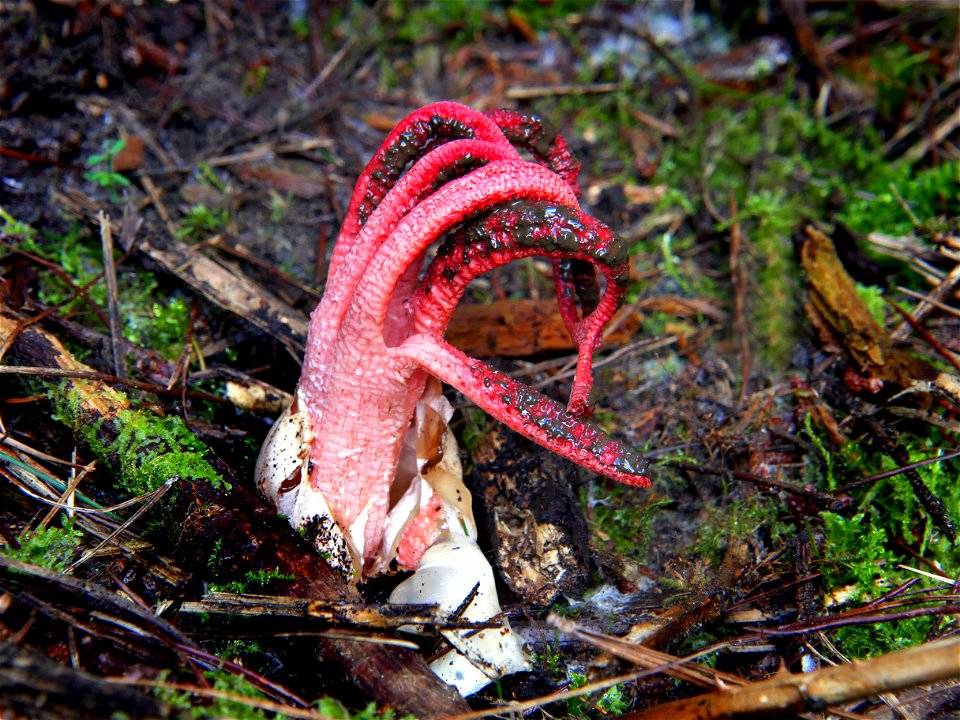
(751, 517)
(9, 225)
(475, 426)
(53, 548)
(872, 297)
(863, 641)
(199, 706)
(462, 21)
(335, 709)
(153, 450)
(893, 501)
(151, 317)
(820, 466)
(101, 170)
(897, 198)
(201, 221)
(611, 702)
(149, 450)
(782, 166)
(622, 517)
(222, 681)
(253, 581)
(855, 552)
(863, 548)
(577, 706)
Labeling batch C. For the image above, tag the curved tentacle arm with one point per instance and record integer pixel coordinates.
(439, 166)
(523, 229)
(436, 168)
(526, 411)
(412, 138)
(577, 290)
(458, 200)
(535, 134)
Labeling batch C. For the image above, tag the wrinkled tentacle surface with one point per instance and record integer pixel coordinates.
(575, 280)
(520, 229)
(415, 135)
(451, 175)
(528, 412)
(533, 133)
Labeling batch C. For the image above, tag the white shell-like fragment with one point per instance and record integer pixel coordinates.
(447, 575)
(282, 474)
(255, 396)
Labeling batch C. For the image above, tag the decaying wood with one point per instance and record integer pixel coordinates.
(814, 691)
(206, 517)
(214, 281)
(537, 528)
(843, 320)
(520, 328)
(36, 687)
(339, 614)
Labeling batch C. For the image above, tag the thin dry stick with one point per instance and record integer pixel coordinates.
(935, 296)
(928, 299)
(267, 705)
(151, 497)
(738, 279)
(530, 93)
(517, 709)
(113, 309)
(946, 353)
(681, 668)
(67, 497)
(897, 471)
(16, 444)
(931, 140)
(328, 69)
(813, 691)
(104, 378)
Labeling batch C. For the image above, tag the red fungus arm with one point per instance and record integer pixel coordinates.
(527, 411)
(413, 137)
(535, 134)
(531, 132)
(523, 229)
(460, 199)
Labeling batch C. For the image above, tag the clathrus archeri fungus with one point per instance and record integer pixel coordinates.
(361, 462)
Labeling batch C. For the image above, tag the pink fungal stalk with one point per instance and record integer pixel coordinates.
(451, 175)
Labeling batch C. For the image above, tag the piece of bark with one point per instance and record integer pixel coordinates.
(843, 320)
(202, 516)
(518, 328)
(537, 528)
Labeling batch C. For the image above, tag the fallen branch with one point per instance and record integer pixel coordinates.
(813, 691)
